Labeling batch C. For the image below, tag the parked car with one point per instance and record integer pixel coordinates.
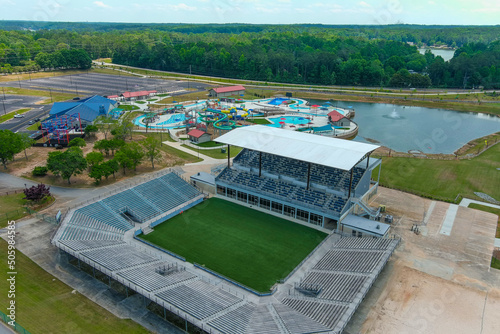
(18, 116)
(31, 122)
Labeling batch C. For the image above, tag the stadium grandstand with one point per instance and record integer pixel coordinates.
(100, 238)
(310, 178)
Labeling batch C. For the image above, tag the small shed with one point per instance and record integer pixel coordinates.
(198, 136)
(337, 119)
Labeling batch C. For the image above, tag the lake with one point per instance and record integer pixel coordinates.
(446, 54)
(404, 128)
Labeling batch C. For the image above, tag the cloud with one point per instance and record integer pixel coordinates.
(182, 6)
(364, 4)
(431, 3)
(101, 4)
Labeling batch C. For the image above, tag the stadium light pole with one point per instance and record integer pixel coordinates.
(3, 90)
(4, 112)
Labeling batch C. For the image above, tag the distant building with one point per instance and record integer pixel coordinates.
(198, 136)
(88, 109)
(226, 91)
(337, 119)
(140, 95)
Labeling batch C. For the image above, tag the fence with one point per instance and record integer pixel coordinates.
(18, 328)
(12, 192)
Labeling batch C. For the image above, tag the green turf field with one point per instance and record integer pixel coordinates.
(444, 179)
(249, 246)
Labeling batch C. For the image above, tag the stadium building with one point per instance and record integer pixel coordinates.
(313, 179)
(308, 179)
(88, 109)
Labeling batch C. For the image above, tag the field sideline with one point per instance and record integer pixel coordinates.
(249, 246)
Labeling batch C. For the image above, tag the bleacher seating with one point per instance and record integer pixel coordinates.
(119, 257)
(323, 175)
(360, 261)
(236, 321)
(129, 200)
(149, 279)
(104, 214)
(283, 190)
(327, 314)
(296, 322)
(199, 299)
(336, 286)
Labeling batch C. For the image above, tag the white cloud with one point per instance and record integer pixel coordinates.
(364, 4)
(182, 6)
(431, 3)
(285, 1)
(101, 4)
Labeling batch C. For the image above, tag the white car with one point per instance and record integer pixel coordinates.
(18, 116)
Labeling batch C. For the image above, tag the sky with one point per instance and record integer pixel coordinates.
(447, 12)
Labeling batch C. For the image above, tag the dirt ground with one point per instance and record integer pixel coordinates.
(37, 156)
(437, 283)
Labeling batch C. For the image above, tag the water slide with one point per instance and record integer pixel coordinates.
(217, 122)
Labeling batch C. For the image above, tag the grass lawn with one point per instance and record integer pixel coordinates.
(10, 115)
(216, 153)
(495, 263)
(11, 208)
(46, 305)
(128, 107)
(251, 247)
(141, 102)
(444, 179)
(258, 120)
(33, 127)
(490, 210)
(209, 144)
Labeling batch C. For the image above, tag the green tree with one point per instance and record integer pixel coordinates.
(110, 167)
(134, 152)
(123, 161)
(90, 130)
(68, 163)
(25, 142)
(102, 146)
(97, 172)
(94, 158)
(105, 124)
(152, 150)
(78, 142)
(10, 145)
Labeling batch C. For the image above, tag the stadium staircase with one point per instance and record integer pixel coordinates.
(374, 214)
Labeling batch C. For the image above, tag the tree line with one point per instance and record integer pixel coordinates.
(305, 54)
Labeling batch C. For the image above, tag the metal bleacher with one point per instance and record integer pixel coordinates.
(285, 191)
(199, 299)
(323, 175)
(149, 278)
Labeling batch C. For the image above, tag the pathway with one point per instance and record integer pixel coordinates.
(466, 201)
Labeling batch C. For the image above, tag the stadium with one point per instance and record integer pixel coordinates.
(289, 216)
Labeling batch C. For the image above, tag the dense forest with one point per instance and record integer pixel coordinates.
(307, 54)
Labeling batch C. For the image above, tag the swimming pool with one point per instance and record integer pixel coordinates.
(288, 120)
(277, 101)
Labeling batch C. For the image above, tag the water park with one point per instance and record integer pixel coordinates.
(224, 114)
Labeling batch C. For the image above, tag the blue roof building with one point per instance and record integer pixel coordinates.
(89, 108)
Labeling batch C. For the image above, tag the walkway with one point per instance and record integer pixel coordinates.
(206, 159)
(465, 202)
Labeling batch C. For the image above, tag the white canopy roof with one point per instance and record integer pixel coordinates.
(327, 151)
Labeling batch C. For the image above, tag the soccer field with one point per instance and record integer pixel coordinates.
(249, 246)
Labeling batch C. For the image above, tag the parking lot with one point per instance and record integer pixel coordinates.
(104, 84)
